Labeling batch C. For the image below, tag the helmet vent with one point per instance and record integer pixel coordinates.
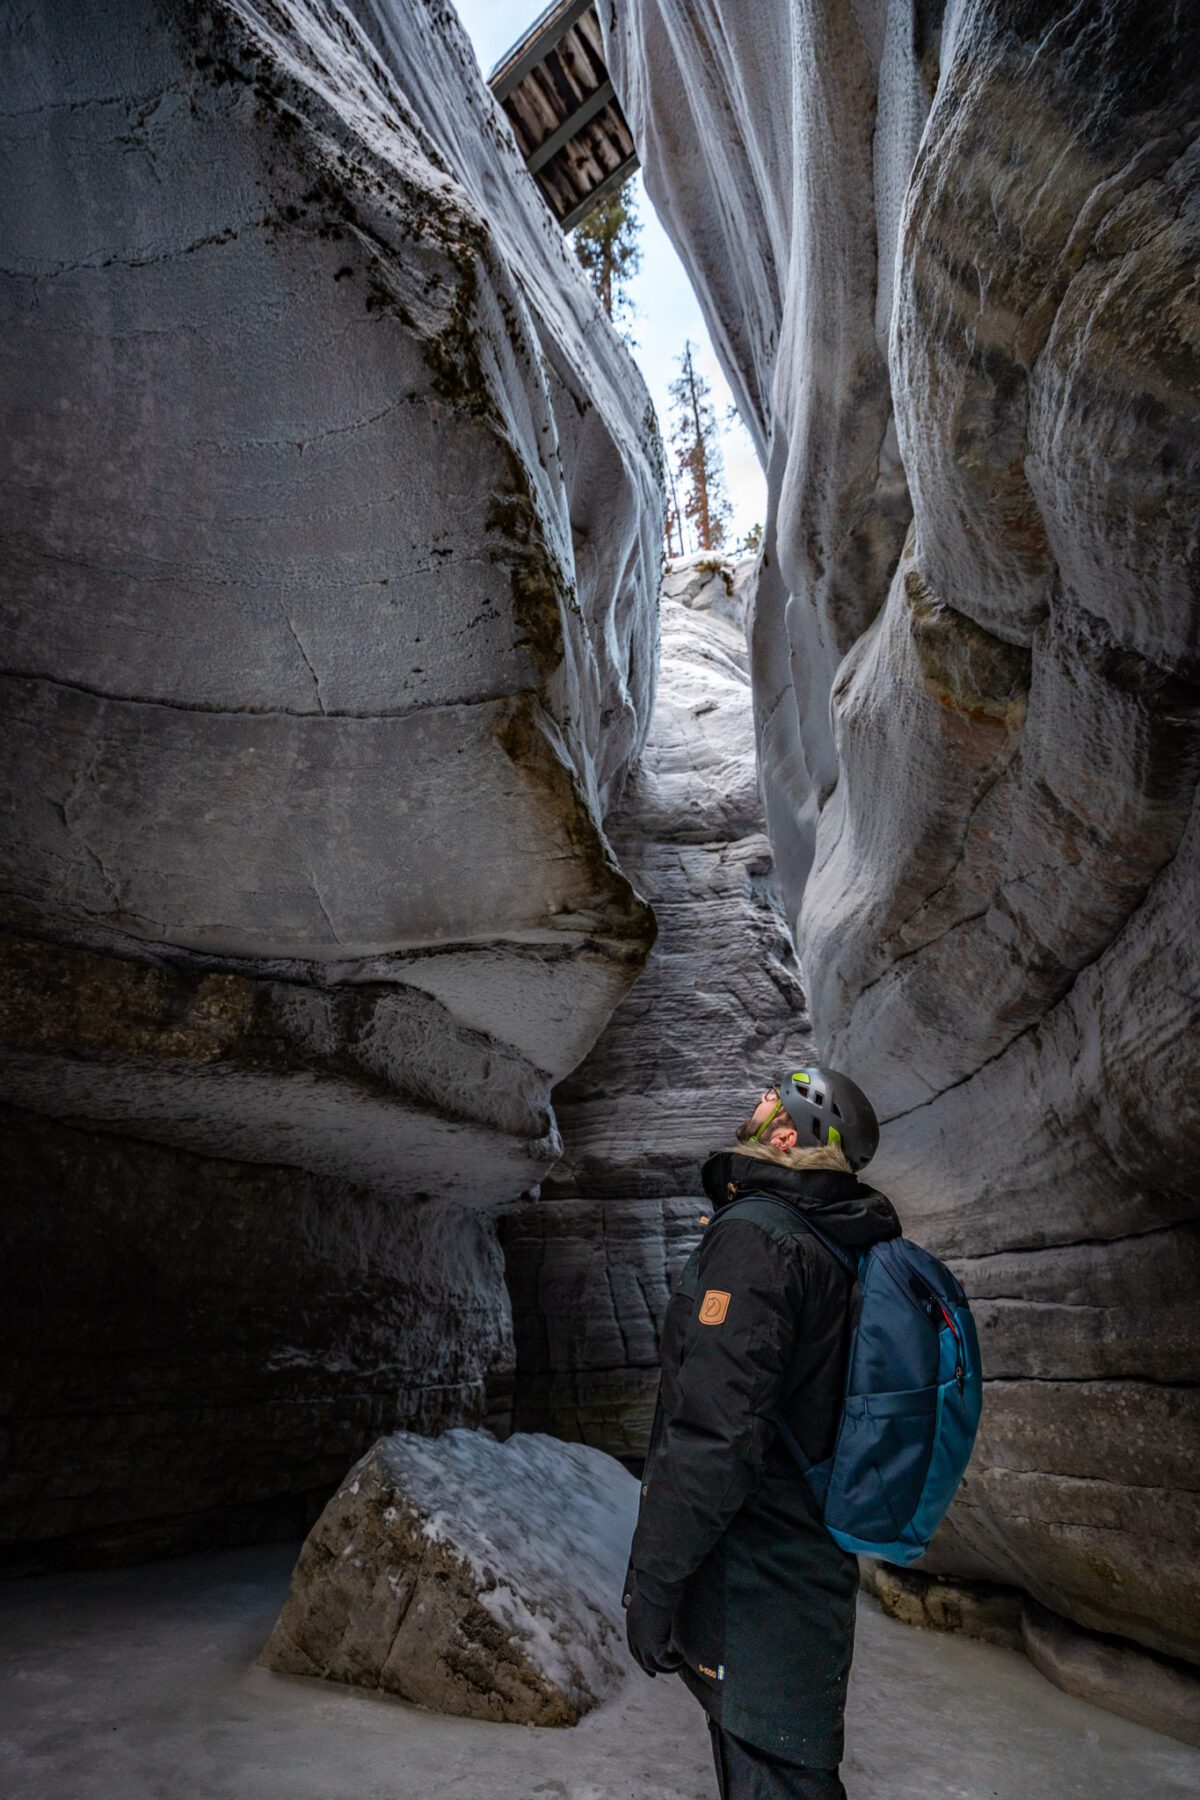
(819, 1099)
(837, 1111)
(817, 1129)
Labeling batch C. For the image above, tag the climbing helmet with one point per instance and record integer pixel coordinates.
(826, 1107)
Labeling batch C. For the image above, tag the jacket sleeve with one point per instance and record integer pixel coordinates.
(716, 1424)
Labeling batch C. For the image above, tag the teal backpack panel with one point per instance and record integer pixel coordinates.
(914, 1391)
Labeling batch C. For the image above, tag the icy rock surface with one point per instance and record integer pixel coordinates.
(718, 1008)
(329, 602)
(467, 1575)
(203, 1345)
(1165, 1695)
(947, 256)
(1158, 1691)
(330, 613)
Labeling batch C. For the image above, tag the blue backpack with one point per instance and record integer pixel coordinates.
(914, 1390)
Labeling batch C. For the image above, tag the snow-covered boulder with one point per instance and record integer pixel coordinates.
(711, 583)
(468, 1575)
(947, 255)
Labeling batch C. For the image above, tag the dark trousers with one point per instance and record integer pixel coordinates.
(746, 1773)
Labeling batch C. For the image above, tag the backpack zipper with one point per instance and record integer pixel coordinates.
(960, 1370)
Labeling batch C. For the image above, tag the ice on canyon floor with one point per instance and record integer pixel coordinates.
(141, 1683)
(472, 1576)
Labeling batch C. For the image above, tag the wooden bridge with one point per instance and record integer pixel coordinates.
(555, 90)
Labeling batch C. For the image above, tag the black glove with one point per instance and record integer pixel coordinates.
(648, 1630)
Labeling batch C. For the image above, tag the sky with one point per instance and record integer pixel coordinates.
(666, 309)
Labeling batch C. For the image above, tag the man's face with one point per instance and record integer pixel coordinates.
(768, 1105)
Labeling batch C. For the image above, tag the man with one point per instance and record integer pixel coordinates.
(733, 1581)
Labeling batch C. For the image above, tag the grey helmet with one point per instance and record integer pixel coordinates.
(826, 1107)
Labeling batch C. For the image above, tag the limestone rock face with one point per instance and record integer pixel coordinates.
(330, 619)
(978, 1609)
(333, 513)
(717, 1010)
(947, 257)
(1137, 1685)
(1157, 1691)
(199, 1347)
(469, 1576)
(588, 1281)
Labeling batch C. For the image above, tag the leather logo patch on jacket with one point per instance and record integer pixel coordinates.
(713, 1307)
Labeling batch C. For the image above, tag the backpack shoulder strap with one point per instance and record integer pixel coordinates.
(776, 1219)
(849, 1263)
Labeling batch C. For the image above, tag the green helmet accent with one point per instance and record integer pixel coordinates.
(826, 1107)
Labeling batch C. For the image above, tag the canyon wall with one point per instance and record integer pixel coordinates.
(332, 507)
(947, 256)
(717, 1012)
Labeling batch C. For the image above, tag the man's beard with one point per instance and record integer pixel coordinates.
(745, 1131)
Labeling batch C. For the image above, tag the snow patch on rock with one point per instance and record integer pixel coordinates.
(472, 1576)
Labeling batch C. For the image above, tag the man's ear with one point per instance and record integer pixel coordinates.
(788, 1139)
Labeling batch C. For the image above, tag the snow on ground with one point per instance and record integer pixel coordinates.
(140, 1684)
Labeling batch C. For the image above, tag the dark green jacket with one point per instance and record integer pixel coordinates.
(757, 1327)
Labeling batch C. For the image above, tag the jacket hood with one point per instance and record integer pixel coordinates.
(852, 1214)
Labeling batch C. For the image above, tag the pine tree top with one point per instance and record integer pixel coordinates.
(606, 243)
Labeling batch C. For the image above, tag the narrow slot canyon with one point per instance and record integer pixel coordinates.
(412, 871)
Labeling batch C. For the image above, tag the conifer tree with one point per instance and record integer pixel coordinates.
(697, 446)
(674, 518)
(606, 243)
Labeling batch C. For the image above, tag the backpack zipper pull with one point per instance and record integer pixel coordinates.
(960, 1372)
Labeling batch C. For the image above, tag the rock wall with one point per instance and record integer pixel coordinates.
(198, 1348)
(947, 255)
(718, 1008)
(332, 513)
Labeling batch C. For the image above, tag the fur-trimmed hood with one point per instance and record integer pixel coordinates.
(848, 1211)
